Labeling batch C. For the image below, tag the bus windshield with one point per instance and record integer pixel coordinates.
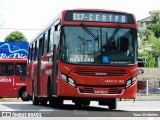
(98, 45)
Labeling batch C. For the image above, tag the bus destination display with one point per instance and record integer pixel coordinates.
(97, 17)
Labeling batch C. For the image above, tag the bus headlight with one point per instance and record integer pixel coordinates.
(131, 81)
(71, 82)
(134, 79)
(64, 77)
(68, 79)
(128, 83)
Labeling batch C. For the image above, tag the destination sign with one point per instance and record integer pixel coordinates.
(99, 17)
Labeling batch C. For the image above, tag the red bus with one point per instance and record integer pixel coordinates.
(84, 55)
(13, 78)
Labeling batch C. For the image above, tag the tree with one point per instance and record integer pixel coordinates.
(155, 25)
(151, 61)
(16, 37)
(156, 47)
(155, 17)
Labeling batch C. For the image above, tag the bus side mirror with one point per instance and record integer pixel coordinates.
(140, 71)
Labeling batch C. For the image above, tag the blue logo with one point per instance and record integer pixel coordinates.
(105, 59)
(13, 50)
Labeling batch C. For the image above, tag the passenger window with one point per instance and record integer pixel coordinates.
(51, 42)
(20, 69)
(45, 43)
(8, 69)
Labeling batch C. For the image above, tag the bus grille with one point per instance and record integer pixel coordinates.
(99, 72)
(89, 90)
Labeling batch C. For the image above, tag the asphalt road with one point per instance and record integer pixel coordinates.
(68, 105)
(126, 110)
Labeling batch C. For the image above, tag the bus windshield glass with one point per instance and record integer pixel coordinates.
(98, 45)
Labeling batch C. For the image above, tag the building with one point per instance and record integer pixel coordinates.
(142, 24)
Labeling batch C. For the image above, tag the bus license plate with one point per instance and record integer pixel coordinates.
(100, 91)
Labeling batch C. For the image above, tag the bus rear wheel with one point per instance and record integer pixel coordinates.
(44, 102)
(35, 100)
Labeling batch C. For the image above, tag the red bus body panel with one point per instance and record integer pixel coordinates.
(108, 83)
(10, 85)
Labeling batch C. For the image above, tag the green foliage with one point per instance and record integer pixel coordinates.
(151, 61)
(155, 24)
(142, 54)
(155, 18)
(155, 28)
(156, 47)
(151, 37)
(15, 37)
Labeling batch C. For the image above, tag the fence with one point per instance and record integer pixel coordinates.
(149, 87)
(149, 81)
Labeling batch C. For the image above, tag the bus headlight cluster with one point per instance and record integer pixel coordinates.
(131, 81)
(68, 79)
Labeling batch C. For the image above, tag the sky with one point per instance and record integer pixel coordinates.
(30, 16)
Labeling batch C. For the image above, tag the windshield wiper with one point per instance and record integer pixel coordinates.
(89, 31)
(114, 33)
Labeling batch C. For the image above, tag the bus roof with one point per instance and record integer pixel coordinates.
(39, 35)
(13, 60)
(104, 10)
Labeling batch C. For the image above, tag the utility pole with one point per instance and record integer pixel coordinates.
(1, 21)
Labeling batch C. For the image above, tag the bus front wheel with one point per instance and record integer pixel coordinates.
(55, 102)
(24, 96)
(112, 104)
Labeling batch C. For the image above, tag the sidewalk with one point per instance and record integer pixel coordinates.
(148, 98)
(10, 100)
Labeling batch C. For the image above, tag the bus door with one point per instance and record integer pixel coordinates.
(7, 80)
(39, 74)
(54, 65)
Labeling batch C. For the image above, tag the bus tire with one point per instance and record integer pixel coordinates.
(56, 102)
(44, 103)
(35, 100)
(86, 102)
(112, 104)
(78, 103)
(24, 96)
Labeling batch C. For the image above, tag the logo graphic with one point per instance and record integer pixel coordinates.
(13, 50)
(105, 59)
(6, 114)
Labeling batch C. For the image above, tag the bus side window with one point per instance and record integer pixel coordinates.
(9, 70)
(45, 47)
(18, 70)
(1, 67)
(42, 45)
(35, 50)
(51, 42)
(29, 54)
(57, 27)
